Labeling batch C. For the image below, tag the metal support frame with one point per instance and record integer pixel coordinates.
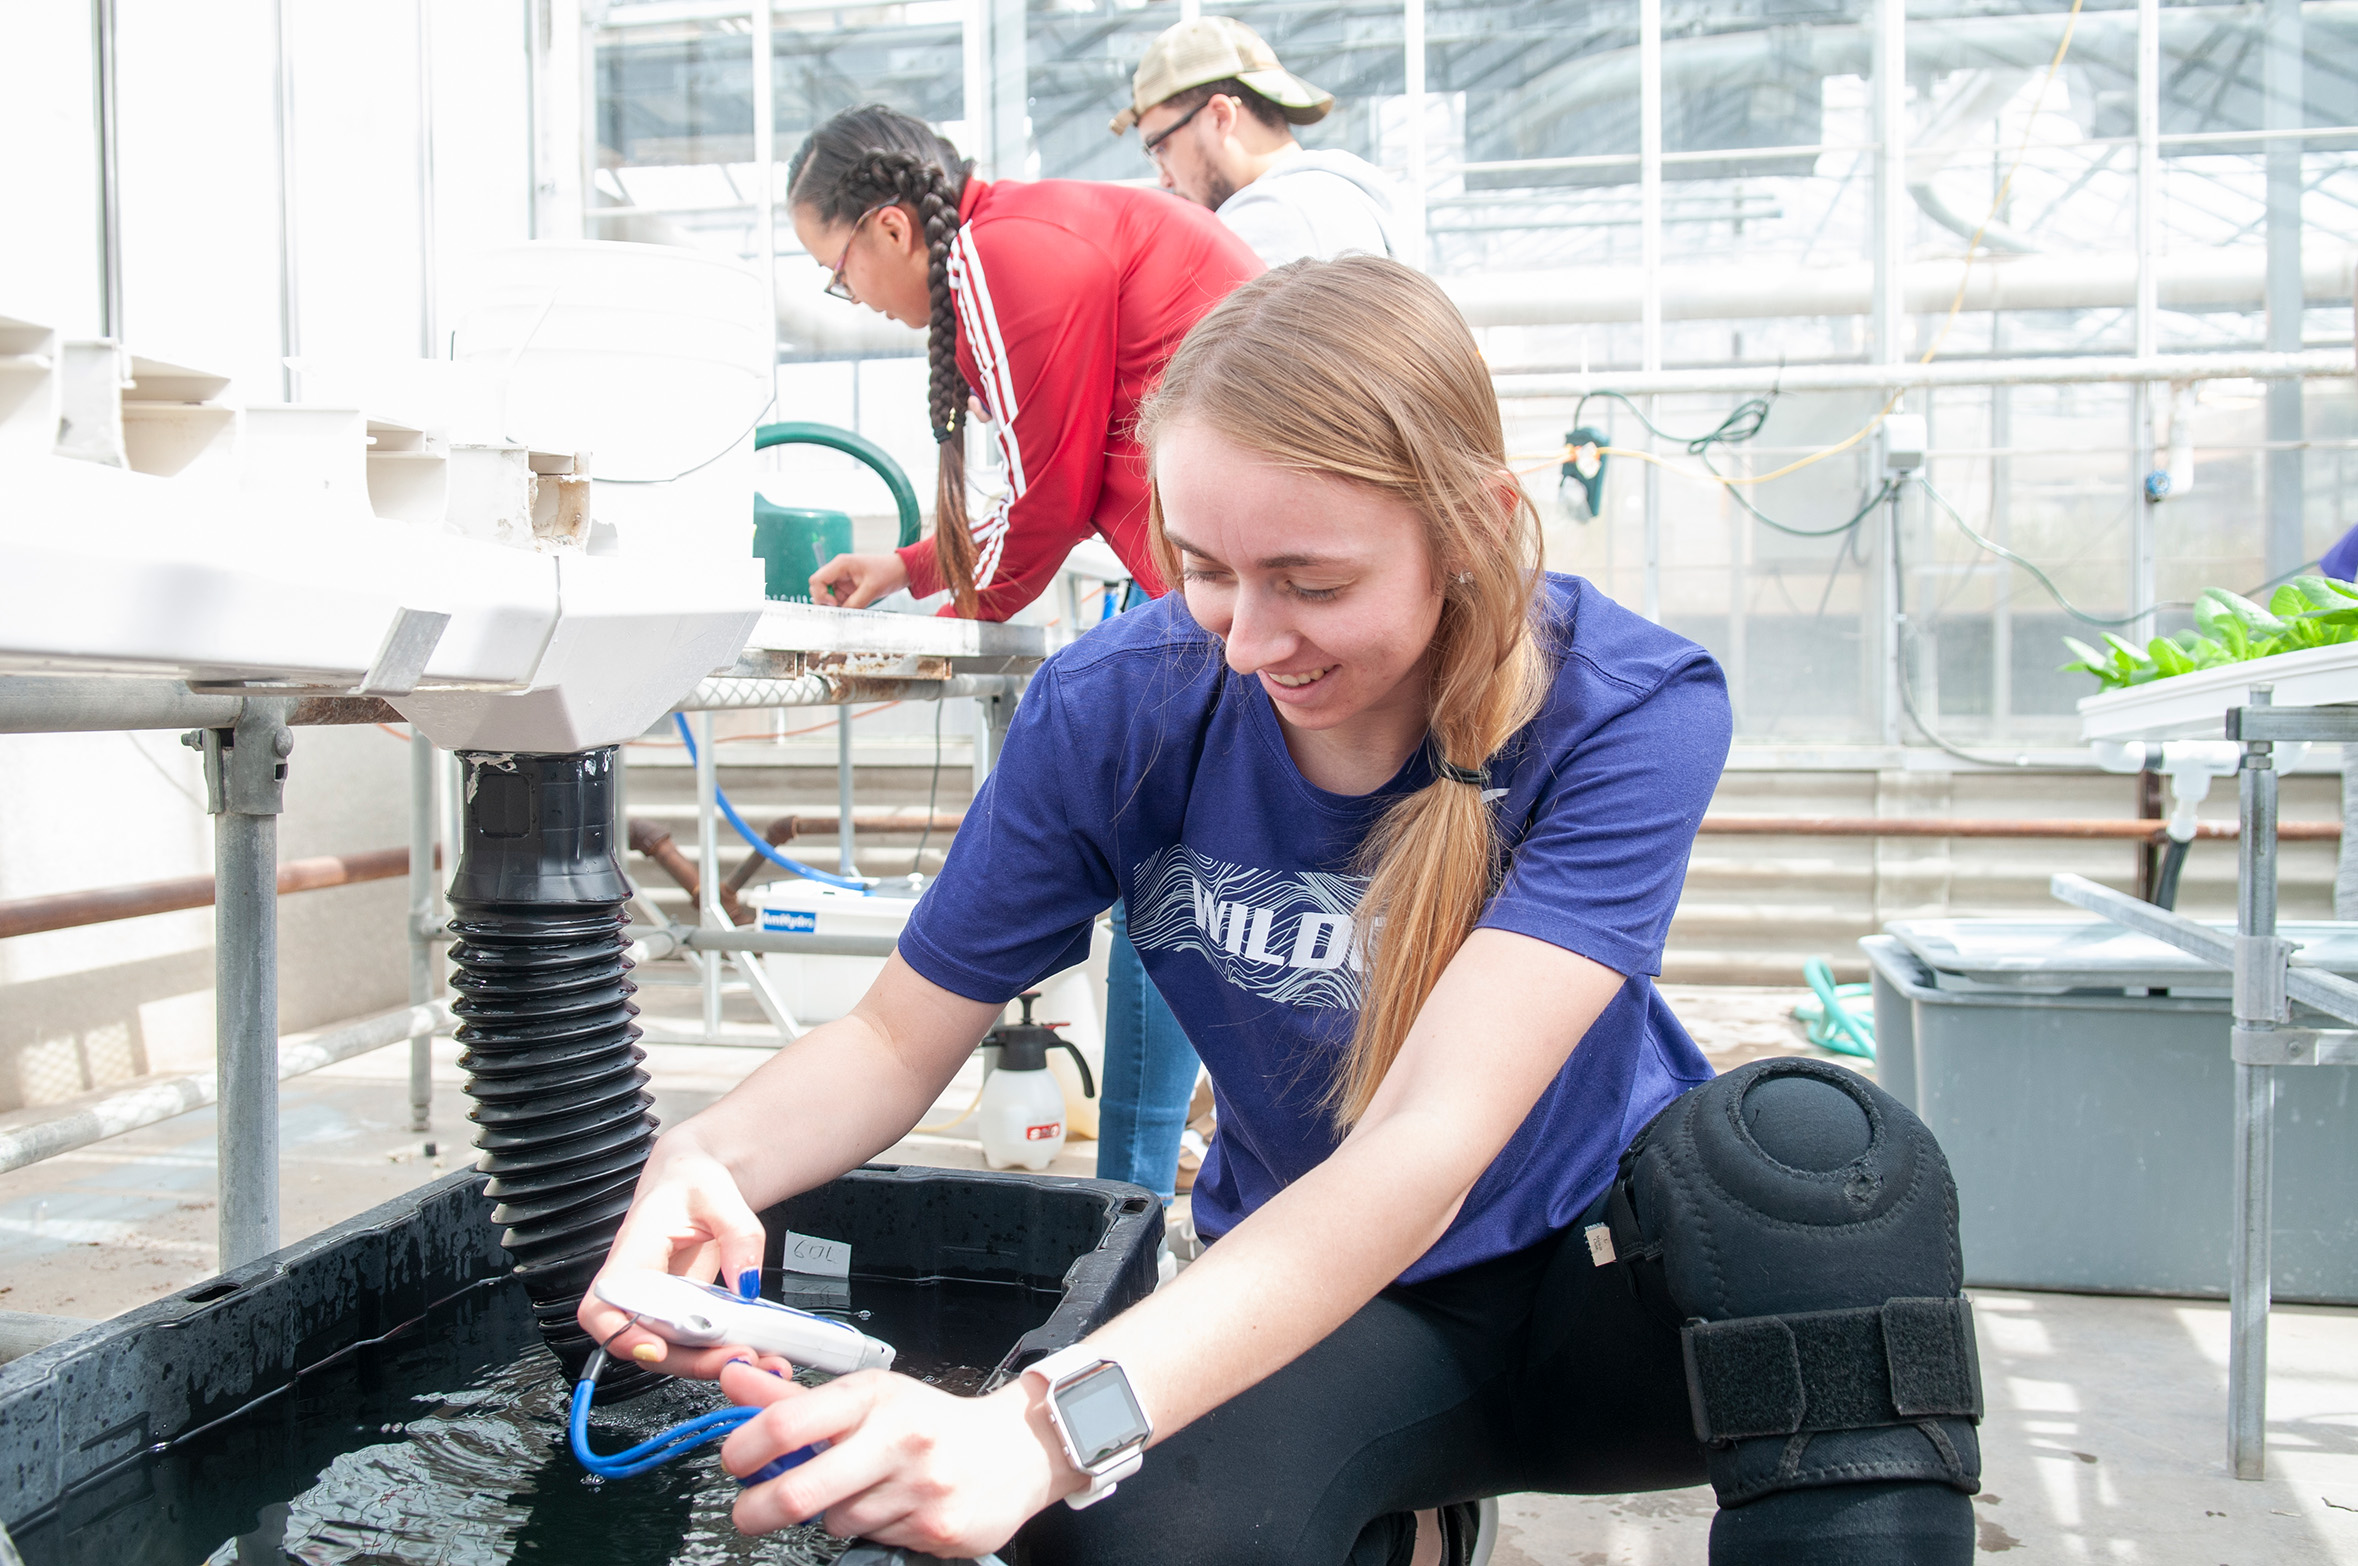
(290, 302)
(424, 921)
(992, 714)
(429, 264)
(110, 179)
(2144, 548)
(1412, 64)
(2282, 100)
(709, 913)
(2260, 963)
(245, 788)
(1892, 598)
(846, 849)
(713, 946)
(1650, 299)
(2260, 1040)
(765, 173)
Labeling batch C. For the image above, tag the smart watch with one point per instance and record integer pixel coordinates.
(1097, 1418)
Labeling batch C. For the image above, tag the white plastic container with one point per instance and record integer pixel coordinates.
(1021, 1121)
(821, 989)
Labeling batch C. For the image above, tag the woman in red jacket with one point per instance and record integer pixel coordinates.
(1056, 302)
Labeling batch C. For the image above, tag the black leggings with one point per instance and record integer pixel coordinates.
(1537, 1371)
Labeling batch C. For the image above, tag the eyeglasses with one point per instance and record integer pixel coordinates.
(837, 288)
(1154, 146)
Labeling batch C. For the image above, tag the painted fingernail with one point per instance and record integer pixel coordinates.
(647, 1353)
(749, 1283)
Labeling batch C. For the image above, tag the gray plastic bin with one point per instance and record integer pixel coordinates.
(2091, 1134)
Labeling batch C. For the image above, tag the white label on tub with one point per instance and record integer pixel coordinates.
(814, 1257)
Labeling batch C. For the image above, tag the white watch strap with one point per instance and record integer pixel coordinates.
(1104, 1484)
(1064, 1362)
(1054, 1368)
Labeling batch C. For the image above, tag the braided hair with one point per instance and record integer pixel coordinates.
(868, 157)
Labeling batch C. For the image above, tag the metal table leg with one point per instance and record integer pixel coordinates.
(422, 904)
(245, 776)
(2259, 1006)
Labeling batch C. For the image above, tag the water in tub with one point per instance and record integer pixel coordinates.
(447, 1446)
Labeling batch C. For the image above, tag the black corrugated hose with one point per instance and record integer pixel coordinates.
(544, 998)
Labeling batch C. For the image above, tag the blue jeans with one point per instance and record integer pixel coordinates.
(1149, 1075)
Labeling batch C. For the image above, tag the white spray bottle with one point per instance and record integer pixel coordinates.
(1021, 1118)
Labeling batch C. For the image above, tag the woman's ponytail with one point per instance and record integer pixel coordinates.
(1362, 369)
(856, 161)
(1433, 860)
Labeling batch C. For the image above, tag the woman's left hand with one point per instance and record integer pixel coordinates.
(906, 1465)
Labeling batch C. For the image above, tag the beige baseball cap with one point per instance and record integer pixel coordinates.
(1212, 49)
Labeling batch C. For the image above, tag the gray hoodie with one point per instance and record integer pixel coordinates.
(1320, 204)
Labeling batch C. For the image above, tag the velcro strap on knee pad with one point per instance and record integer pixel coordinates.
(1901, 1362)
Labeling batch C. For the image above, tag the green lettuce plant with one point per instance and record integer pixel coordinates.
(2308, 611)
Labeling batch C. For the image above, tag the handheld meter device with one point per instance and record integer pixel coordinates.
(700, 1315)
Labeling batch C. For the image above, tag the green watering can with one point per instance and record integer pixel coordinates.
(794, 541)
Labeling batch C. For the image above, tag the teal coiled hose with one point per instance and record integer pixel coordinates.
(1831, 1022)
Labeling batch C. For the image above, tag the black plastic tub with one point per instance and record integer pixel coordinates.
(138, 1438)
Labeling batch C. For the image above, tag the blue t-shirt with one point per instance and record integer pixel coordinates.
(1138, 766)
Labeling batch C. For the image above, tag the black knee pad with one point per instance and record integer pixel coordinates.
(1798, 1225)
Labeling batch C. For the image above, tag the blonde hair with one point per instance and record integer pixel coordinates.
(1362, 369)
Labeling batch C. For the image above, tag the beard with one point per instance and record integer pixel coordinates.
(1217, 189)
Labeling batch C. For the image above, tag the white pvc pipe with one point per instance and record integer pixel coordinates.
(2077, 371)
(2198, 280)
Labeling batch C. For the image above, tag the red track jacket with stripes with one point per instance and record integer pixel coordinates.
(1071, 297)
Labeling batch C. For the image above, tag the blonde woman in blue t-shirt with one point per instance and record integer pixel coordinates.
(1401, 822)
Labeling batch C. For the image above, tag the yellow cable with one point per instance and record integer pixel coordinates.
(1956, 305)
(944, 1125)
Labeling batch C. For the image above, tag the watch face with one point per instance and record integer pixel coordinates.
(1100, 1414)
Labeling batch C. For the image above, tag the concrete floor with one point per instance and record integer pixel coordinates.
(2104, 1441)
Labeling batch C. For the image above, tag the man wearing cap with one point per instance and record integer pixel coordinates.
(1216, 112)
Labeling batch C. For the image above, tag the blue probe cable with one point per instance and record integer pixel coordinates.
(680, 1439)
(760, 847)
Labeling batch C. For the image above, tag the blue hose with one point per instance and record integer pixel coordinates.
(753, 837)
(1831, 1023)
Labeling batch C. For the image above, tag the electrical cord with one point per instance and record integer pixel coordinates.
(761, 845)
(2041, 577)
(1907, 694)
(1742, 424)
(708, 461)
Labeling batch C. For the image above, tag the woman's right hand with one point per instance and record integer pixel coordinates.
(688, 1218)
(856, 581)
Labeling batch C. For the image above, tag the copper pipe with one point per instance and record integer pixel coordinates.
(777, 834)
(72, 910)
(1958, 826)
(654, 842)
